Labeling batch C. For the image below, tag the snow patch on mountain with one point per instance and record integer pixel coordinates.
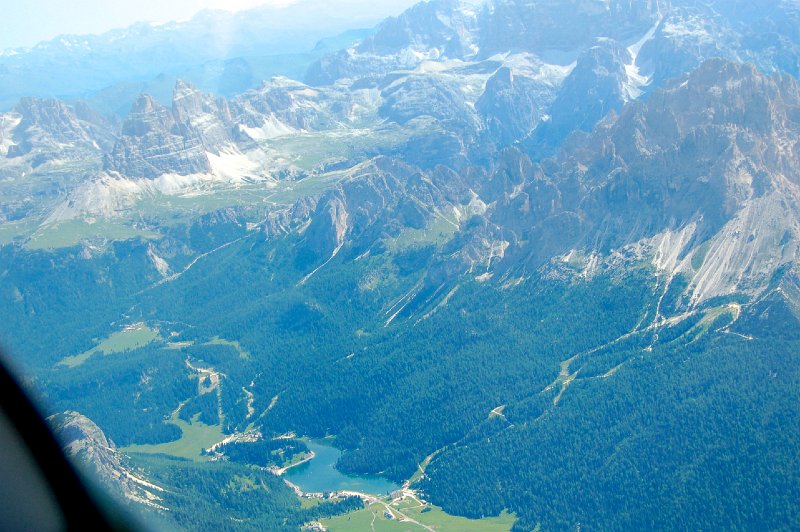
(634, 87)
(8, 122)
(270, 129)
(531, 66)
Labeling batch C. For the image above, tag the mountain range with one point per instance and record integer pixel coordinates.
(535, 257)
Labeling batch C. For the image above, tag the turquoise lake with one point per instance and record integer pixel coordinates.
(320, 475)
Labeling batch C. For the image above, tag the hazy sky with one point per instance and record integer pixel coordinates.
(26, 22)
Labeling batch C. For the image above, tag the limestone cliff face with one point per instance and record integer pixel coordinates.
(537, 128)
(283, 106)
(562, 25)
(440, 28)
(598, 85)
(49, 129)
(153, 143)
(377, 201)
(702, 178)
(328, 228)
(206, 117)
(87, 445)
(512, 104)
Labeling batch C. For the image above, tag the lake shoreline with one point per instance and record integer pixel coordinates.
(318, 474)
(280, 471)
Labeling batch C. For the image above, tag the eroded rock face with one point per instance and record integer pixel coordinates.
(49, 129)
(87, 445)
(512, 105)
(206, 117)
(707, 168)
(701, 179)
(598, 85)
(608, 151)
(329, 226)
(419, 96)
(556, 25)
(428, 30)
(283, 106)
(449, 29)
(153, 143)
(378, 200)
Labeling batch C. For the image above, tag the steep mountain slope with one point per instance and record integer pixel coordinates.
(540, 27)
(86, 444)
(551, 272)
(564, 292)
(703, 175)
(38, 131)
(152, 144)
(385, 105)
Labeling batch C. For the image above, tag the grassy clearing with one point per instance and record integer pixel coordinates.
(173, 210)
(177, 346)
(699, 256)
(371, 518)
(418, 474)
(435, 518)
(178, 209)
(14, 230)
(438, 231)
(133, 337)
(310, 503)
(308, 150)
(196, 437)
(72, 232)
(296, 459)
(68, 169)
(291, 191)
(243, 353)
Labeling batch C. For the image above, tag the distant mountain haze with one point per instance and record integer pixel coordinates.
(101, 46)
(33, 21)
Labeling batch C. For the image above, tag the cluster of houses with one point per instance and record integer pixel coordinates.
(328, 495)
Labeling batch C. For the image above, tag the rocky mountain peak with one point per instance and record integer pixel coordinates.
(434, 24)
(207, 117)
(49, 129)
(566, 26)
(153, 143)
(146, 115)
(598, 84)
(722, 100)
(512, 104)
(44, 112)
(710, 162)
(188, 101)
